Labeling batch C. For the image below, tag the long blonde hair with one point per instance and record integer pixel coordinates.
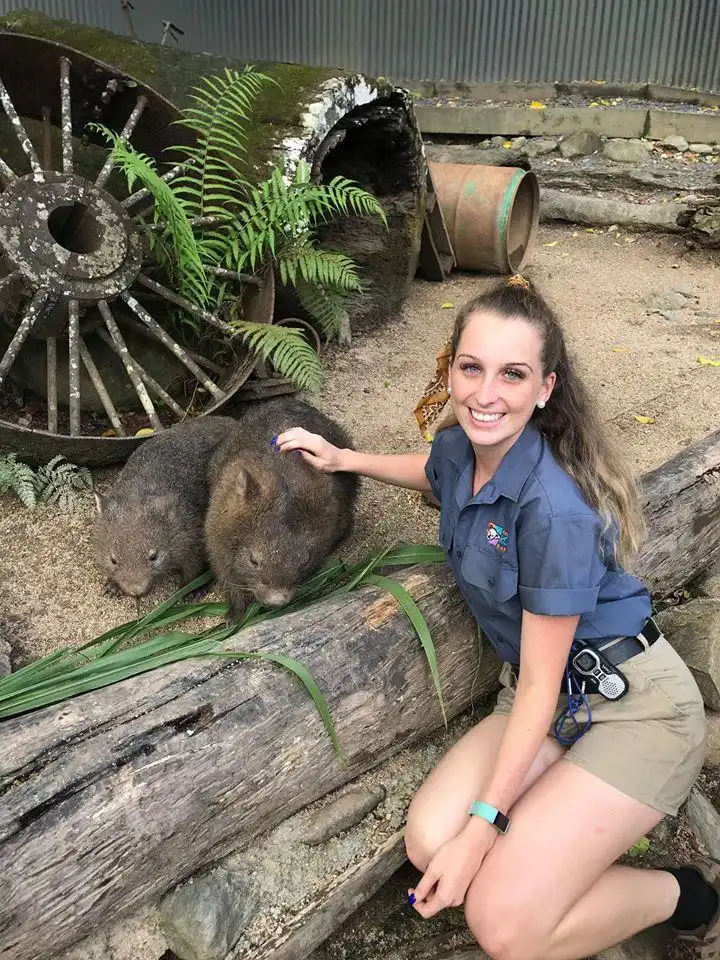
(570, 423)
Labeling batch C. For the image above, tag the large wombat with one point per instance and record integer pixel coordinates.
(151, 522)
(273, 519)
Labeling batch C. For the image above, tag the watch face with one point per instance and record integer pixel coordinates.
(585, 661)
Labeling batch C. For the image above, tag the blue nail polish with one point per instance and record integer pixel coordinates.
(411, 899)
(273, 442)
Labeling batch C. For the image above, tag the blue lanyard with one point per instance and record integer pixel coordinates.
(576, 701)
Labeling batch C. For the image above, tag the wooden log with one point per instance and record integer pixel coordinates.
(113, 797)
(601, 211)
(315, 922)
(681, 501)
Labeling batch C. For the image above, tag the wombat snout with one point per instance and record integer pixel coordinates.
(274, 596)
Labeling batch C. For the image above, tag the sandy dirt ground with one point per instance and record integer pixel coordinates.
(635, 363)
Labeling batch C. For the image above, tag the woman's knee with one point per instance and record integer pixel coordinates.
(424, 833)
(503, 929)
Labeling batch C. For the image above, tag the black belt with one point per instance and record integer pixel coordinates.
(618, 651)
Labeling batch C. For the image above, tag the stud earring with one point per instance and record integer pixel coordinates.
(540, 404)
(449, 389)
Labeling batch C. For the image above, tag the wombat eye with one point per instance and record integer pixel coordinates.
(113, 560)
(254, 560)
(153, 555)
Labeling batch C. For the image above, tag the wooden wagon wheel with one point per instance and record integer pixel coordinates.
(86, 325)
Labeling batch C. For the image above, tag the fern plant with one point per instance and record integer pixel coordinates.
(59, 483)
(19, 478)
(213, 217)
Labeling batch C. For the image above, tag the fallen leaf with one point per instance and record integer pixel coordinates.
(553, 243)
(111, 433)
(536, 105)
(707, 362)
(590, 230)
(447, 305)
(144, 432)
(641, 419)
(575, 234)
(594, 103)
(621, 349)
(507, 144)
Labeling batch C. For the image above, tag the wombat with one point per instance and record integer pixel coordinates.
(273, 519)
(151, 522)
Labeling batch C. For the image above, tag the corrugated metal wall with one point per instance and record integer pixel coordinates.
(674, 42)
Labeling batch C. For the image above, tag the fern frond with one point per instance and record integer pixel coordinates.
(19, 478)
(325, 305)
(218, 120)
(286, 349)
(136, 166)
(318, 267)
(60, 482)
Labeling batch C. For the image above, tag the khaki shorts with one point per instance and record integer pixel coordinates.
(650, 744)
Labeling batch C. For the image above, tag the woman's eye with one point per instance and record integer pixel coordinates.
(514, 375)
(469, 367)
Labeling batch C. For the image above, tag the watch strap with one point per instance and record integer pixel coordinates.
(490, 813)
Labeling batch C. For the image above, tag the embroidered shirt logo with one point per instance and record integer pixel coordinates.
(497, 536)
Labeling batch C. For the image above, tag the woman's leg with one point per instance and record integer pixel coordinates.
(439, 810)
(548, 888)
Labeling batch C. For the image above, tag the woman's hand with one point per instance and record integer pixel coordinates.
(453, 868)
(315, 450)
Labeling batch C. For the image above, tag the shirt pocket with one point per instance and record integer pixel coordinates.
(488, 572)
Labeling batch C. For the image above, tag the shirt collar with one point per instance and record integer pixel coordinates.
(510, 477)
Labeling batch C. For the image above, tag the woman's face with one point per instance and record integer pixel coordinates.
(496, 378)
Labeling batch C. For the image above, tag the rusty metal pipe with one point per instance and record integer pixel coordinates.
(491, 214)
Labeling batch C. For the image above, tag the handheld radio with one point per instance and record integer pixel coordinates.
(598, 674)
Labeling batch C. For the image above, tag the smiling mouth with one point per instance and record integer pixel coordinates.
(485, 417)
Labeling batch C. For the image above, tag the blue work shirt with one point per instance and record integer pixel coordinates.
(528, 540)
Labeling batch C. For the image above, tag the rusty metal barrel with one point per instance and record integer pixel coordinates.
(491, 214)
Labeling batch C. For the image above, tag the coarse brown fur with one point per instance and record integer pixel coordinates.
(150, 524)
(273, 519)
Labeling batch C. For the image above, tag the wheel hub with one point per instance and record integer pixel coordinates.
(70, 237)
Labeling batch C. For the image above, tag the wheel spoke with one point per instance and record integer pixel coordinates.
(100, 388)
(46, 114)
(20, 131)
(6, 173)
(52, 415)
(179, 301)
(66, 116)
(74, 367)
(149, 381)
(141, 194)
(32, 315)
(125, 135)
(129, 364)
(172, 345)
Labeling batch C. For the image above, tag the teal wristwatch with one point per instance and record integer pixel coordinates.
(491, 814)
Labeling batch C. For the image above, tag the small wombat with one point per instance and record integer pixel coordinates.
(151, 522)
(273, 519)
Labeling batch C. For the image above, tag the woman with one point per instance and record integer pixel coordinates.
(537, 518)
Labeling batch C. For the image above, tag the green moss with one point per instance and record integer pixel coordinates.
(173, 73)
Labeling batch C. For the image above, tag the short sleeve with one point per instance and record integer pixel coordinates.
(560, 565)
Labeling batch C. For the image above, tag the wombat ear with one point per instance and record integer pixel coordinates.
(245, 484)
